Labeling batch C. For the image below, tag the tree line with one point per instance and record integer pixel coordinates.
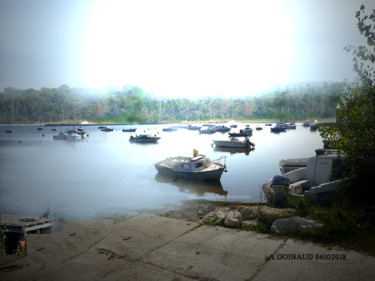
(132, 104)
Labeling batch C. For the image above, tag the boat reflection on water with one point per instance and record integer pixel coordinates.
(197, 187)
(233, 150)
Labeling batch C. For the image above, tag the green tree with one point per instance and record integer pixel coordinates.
(355, 130)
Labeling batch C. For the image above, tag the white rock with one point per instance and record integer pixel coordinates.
(292, 223)
(214, 217)
(247, 213)
(232, 219)
(249, 223)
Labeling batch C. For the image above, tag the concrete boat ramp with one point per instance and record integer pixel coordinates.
(150, 247)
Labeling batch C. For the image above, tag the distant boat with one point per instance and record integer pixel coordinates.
(40, 128)
(106, 129)
(193, 128)
(9, 131)
(222, 128)
(129, 130)
(54, 129)
(242, 133)
(313, 126)
(234, 142)
(209, 130)
(258, 128)
(280, 127)
(61, 136)
(170, 129)
(144, 138)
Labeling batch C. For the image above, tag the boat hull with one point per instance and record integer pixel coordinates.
(231, 144)
(213, 175)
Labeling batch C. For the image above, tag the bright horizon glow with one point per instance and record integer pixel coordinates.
(173, 49)
(177, 48)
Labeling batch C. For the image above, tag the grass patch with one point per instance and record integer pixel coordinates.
(348, 227)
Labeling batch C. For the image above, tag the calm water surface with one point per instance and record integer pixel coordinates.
(105, 174)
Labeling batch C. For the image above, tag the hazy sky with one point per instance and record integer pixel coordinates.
(177, 48)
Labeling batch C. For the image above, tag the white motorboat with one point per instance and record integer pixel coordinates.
(234, 142)
(61, 136)
(198, 167)
(73, 137)
(144, 138)
(311, 180)
(288, 165)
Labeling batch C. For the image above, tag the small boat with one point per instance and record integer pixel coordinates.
(312, 180)
(242, 133)
(280, 127)
(79, 131)
(290, 126)
(288, 165)
(233, 126)
(54, 130)
(144, 138)
(234, 142)
(193, 128)
(209, 130)
(198, 167)
(306, 124)
(313, 126)
(106, 129)
(129, 130)
(9, 131)
(268, 124)
(61, 136)
(258, 128)
(73, 137)
(222, 128)
(170, 129)
(40, 128)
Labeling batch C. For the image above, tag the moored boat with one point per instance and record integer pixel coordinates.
(198, 167)
(234, 142)
(129, 130)
(242, 133)
(144, 138)
(222, 128)
(60, 136)
(280, 127)
(170, 129)
(106, 129)
(193, 127)
(209, 130)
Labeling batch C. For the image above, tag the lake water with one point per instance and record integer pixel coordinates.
(105, 174)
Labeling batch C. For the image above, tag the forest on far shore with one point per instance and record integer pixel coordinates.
(132, 104)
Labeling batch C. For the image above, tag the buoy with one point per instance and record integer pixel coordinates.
(195, 152)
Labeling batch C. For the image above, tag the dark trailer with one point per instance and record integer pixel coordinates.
(17, 229)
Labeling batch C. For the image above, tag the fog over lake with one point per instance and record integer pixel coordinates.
(105, 174)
